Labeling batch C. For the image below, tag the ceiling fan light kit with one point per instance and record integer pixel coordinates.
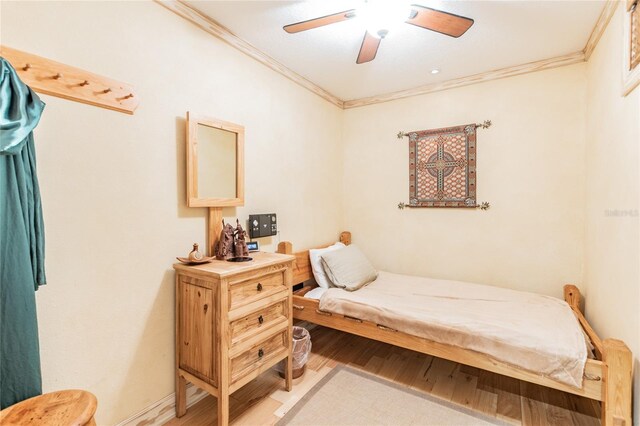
(381, 17)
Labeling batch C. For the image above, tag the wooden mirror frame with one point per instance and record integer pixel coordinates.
(193, 120)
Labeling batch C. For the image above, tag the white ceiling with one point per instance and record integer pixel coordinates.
(505, 33)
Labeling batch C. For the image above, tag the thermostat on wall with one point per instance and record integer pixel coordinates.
(252, 246)
(262, 225)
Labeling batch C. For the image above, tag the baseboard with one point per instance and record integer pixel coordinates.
(164, 410)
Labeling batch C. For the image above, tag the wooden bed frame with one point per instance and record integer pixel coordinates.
(606, 378)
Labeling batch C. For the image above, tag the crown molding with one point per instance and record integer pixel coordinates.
(603, 20)
(216, 29)
(545, 64)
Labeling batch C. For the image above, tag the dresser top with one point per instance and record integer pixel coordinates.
(223, 268)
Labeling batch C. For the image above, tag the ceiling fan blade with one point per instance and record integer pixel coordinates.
(368, 49)
(320, 22)
(439, 21)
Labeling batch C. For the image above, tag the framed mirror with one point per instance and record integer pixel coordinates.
(215, 162)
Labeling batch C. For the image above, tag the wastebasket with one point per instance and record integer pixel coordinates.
(300, 353)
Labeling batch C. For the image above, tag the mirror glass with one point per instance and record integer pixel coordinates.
(216, 162)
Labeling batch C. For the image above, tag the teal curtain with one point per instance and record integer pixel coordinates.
(21, 240)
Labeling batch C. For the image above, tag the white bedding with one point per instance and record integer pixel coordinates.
(316, 293)
(534, 332)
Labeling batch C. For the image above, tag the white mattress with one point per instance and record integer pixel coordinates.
(531, 331)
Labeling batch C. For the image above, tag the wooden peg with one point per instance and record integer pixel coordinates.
(85, 83)
(26, 67)
(107, 90)
(130, 95)
(57, 76)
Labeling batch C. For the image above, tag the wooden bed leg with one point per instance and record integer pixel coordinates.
(616, 400)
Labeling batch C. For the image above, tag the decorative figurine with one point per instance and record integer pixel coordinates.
(240, 248)
(224, 247)
(231, 246)
(195, 257)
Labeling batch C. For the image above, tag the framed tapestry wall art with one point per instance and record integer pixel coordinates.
(631, 56)
(442, 167)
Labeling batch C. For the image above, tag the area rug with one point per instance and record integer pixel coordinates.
(348, 397)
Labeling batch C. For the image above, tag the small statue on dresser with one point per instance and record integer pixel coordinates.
(225, 247)
(240, 246)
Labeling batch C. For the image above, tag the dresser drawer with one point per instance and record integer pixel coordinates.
(255, 288)
(259, 354)
(255, 322)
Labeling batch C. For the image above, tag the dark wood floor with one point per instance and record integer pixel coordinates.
(264, 402)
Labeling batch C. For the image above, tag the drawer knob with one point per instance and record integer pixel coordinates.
(260, 319)
(260, 353)
(259, 287)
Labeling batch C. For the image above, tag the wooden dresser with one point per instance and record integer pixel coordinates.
(233, 322)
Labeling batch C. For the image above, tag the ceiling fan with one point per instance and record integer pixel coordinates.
(381, 17)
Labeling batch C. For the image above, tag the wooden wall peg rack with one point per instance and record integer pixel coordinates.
(56, 79)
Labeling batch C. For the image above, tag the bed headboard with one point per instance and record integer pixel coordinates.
(302, 266)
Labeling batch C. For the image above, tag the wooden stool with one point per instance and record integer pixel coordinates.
(62, 408)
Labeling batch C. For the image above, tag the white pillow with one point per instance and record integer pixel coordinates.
(316, 264)
(348, 268)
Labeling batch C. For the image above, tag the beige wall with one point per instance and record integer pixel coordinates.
(612, 272)
(113, 185)
(530, 168)
(114, 190)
